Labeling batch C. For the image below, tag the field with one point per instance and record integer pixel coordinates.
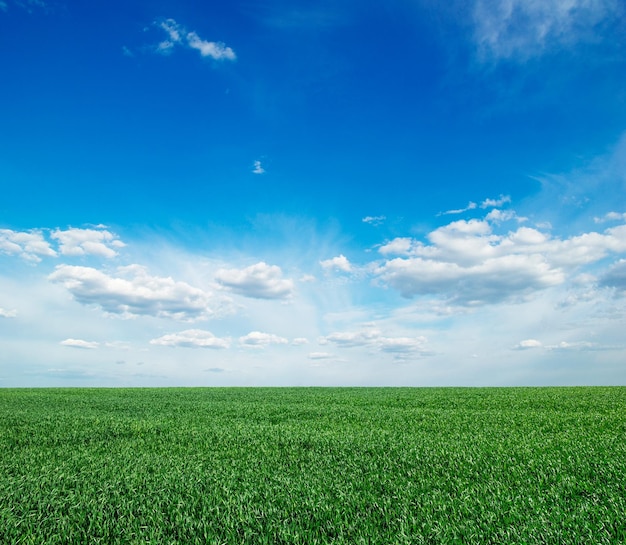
(313, 465)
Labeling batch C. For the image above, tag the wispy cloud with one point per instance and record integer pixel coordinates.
(192, 338)
(611, 216)
(615, 276)
(28, 5)
(575, 346)
(178, 35)
(133, 292)
(258, 168)
(470, 206)
(374, 220)
(260, 281)
(319, 355)
(487, 203)
(496, 203)
(7, 313)
(522, 29)
(373, 338)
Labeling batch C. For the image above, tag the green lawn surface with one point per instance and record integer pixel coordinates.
(313, 465)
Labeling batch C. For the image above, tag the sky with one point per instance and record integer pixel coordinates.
(263, 192)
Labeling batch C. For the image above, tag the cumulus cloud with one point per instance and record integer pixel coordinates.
(398, 246)
(528, 344)
(260, 281)
(257, 339)
(298, 341)
(470, 264)
(133, 292)
(78, 343)
(7, 313)
(178, 35)
(78, 242)
(30, 245)
(338, 263)
(192, 338)
(522, 29)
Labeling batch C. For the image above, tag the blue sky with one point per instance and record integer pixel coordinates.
(297, 193)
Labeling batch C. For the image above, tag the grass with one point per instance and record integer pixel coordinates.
(313, 465)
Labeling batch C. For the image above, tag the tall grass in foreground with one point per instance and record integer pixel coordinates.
(313, 465)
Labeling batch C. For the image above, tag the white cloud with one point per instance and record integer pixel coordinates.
(178, 35)
(78, 242)
(32, 245)
(528, 344)
(258, 168)
(498, 216)
(522, 29)
(319, 355)
(615, 276)
(575, 346)
(7, 313)
(470, 206)
(215, 50)
(611, 216)
(135, 293)
(398, 246)
(260, 281)
(257, 339)
(374, 220)
(487, 203)
(470, 264)
(402, 345)
(351, 338)
(373, 338)
(192, 338)
(78, 343)
(495, 203)
(339, 263)
(298, 341)
(29, 245)
(491, 281)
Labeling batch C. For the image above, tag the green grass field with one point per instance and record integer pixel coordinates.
(313, 465)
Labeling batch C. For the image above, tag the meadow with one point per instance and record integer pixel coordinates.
(313, 465)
